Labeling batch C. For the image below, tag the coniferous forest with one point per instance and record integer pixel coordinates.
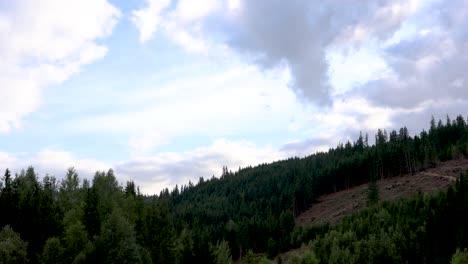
(246, 215)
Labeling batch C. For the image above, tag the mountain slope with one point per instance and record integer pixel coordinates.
(332, 207)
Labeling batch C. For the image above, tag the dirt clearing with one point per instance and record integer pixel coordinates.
(332, 207)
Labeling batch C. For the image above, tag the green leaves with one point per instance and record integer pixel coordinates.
(460, 257)
(12, 248)
(221, 252)
(101, 221)
(53, 251)
(117, 241)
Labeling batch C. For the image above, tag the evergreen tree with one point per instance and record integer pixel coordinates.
(91, 218)
(12, 248)
(460, 257)
(373, 190)
(221, 253)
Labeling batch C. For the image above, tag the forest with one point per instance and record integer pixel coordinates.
(246, 215)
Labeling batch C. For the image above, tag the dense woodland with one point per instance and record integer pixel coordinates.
(423, 229)
(241, 213)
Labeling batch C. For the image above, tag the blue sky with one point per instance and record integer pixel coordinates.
(167, 91)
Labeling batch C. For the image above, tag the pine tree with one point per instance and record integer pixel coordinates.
(373, 191)
(12, 248)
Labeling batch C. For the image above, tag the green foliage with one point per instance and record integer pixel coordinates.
(117, 242)
(295, 259)
(53, 251)
(460, 257)
(75, 239)
(91, 218)
(69, 192)
(12, 248)
(418, 230)
(264, 260)
(272, 248)
(373, 191)
(250, 210)
(253, 199)
(309, 258)
(221, 253)
(249, 258)
(159, 235)
(185, 247)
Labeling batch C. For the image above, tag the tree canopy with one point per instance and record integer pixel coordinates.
(245, 212)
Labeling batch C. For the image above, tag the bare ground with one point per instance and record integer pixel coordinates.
(332, 207)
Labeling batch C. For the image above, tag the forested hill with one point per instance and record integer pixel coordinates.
(250, 210)
(254, 208)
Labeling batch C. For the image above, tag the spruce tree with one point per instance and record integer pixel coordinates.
(373, 191)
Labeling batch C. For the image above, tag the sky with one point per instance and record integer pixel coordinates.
(167, 91)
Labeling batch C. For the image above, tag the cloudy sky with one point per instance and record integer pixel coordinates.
(167, 91)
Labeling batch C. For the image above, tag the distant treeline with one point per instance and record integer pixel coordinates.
(250, 210)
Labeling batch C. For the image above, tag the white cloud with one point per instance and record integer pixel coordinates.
(148, 19)
(7, 161)
(57, 162)
(151, 173)
(223, 102)
(345, 120)
(295, 34)
(188, 10)
(185, 39)
(385, 44)
(426, 65)
(181, 24)
(350, 68)
(300, 34)
(52, 162)
(409, 49)
(165, 170)
(45, 43)
(234, 5)
(374, 64)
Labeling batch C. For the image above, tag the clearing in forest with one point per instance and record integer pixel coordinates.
(332, 207)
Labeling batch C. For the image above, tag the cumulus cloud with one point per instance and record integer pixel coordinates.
(375, 64)
(343, 122)
(410, 50)
(7, 160)
(45, 43)
(429, 64)
(57, 162)
(295, 34)
(154, 172)
(301, 34)
(52, 162)
(180, 24)
(147, 20)
(402, 58)
(417, 45)
(419, 119)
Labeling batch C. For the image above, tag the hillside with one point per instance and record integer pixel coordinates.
(254, 210)
(330, 208)
(423, 228)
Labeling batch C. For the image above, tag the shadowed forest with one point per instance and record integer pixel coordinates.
(247, 215)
